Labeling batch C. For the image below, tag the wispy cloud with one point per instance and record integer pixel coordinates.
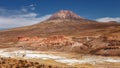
(107, 19)
(19, 18)
(30, 7)
(24, 10)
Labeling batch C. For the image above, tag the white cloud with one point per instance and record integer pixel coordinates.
(107, 19)
(30, 7)
(6, 12)
(24, 10)
(28, 15)
(20, 19)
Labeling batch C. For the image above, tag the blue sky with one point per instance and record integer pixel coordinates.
(15, 13)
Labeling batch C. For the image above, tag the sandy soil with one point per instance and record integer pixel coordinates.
(63, 59)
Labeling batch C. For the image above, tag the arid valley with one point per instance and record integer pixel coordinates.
(65, 40)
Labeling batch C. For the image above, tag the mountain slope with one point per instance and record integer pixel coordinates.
(63, 22)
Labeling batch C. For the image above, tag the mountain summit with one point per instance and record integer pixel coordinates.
(64, 14)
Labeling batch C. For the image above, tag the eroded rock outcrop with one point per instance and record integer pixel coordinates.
(92, 45)
(113, 48)
(56, 39)
(29, 39)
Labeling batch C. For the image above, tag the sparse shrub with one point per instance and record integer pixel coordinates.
(14, 63)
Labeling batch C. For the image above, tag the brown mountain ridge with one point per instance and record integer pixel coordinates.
(64, 22)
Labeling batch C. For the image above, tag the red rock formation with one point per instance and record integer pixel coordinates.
(29, 39)
(35, 38)
(23, 38)
(101, 45)
(56, 39)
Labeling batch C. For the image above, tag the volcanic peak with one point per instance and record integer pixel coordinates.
(64, 14)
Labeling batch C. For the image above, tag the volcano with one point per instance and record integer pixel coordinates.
(64, 14)
(63, 22)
